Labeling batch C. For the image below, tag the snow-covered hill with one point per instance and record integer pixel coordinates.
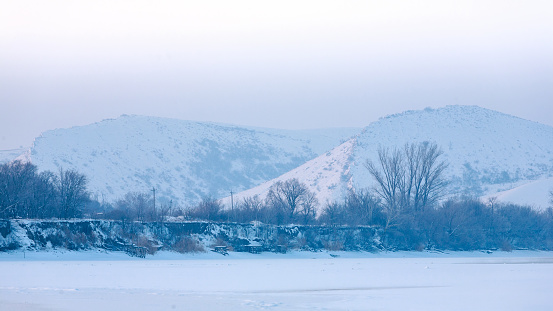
(487, 152)
(328, 176)
(183, 160)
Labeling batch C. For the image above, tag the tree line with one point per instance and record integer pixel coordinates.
(463, 223)
(406, 204)
(26, 193)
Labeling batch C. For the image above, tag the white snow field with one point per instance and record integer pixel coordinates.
(520, 280)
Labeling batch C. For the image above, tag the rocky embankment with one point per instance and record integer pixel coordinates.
(139, 239)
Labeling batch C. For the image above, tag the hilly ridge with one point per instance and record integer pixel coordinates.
(487, 151)
(183, 160)
(483, 147)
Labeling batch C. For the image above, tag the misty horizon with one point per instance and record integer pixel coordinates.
(289, 65)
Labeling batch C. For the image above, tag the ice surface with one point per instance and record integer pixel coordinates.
(297, 281)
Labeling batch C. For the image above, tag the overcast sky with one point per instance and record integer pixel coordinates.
(284, 64)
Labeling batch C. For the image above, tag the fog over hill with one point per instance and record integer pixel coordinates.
(487, 151)
(183, 160)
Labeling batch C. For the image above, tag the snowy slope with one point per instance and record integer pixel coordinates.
(487, 151)
(183, 160)
(534, 193)
(327, 175)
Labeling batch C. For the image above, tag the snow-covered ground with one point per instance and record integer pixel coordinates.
(297, 281)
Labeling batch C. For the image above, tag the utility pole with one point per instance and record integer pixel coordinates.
(231, 201)
(154, 191)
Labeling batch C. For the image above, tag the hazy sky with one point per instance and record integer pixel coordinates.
(286, 64)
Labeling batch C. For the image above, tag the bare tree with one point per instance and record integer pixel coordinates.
(408, 179)
(308, 207)
(388, 173)
(362, 207)
(423, 183)
(293, 198)
(334, 214)
(72, 193)
(25, 193)
(43, 200)
(208, 209)
(165, 210)
(16, 186)
(249, 209)
(135, 205)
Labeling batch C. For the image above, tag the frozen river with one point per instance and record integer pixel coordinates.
(297, 281)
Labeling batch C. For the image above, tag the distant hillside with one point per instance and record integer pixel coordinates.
(183, 160)
(487, 152)
(12, 154)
